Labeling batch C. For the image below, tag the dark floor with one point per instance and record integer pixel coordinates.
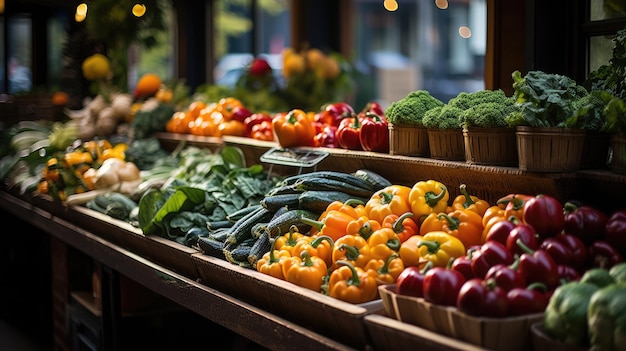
(26, 322)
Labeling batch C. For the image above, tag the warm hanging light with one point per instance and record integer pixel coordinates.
(1, 6)
(442, 4)
(81, 12)
(139, 10)
(390, 5)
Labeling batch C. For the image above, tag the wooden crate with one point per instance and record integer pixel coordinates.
(328, 316)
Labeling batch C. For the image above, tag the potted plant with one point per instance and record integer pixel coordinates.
(407, 134)
(544, 142)
(489, 139)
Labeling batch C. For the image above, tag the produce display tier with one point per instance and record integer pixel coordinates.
(598, 187)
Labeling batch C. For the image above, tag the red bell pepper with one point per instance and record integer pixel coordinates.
(254, 119)
(348, 133)
(526, 234)
(489, 254)
(545, 214)
(601, 254)
(410, 281)
(566, 249)
(373, 107)
(527, 300)
(500, 230)
(374, 134)
(615, 233)
(463, 264)
(240, 113)
(538, 266)
(586, 222)
(441, 286)
(327, 137)
(567, 273)
(479, 297)
(262, 131)
(332, 114)
(507, 276)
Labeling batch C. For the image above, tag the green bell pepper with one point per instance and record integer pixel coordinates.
(598, 276)
(565, 318)
(618, 272)
(607, 318)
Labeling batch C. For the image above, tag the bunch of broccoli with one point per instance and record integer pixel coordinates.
(411, 109)
(483, 108)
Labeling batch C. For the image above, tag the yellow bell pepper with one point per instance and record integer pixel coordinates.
(321, 246)
(362, 226)
(393, 199)
(428, 196)
(289, 240)
(352, 284)
(383, 243)
(305, 271)
(353, 248)
(440, 247)
(272, 262)
(387, 271)
(465, 201)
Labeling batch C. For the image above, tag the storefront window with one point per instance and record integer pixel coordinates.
(19, 55)
(421, 45)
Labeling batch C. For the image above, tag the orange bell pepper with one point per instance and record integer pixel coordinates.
(440, 247)
(430, 223)
(272, 262)
(334, 224)
(466, 225)
(204, 127)
(353, 207)
(428, 196)
(321, 246)
(362, 226)
(305, 271)
(513, 204)
(232, 127)
(387, 271)
(353, 248)
(404, 226)
(465, 201)
(393, 199)
(289, 240)
(409, 251)
(493, 215)
(226, 106)
(383, 243)
(293, 128)
(352, 284)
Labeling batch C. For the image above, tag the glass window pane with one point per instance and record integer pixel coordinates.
(19, 55)
(600, 51)
(421, 45)
(605, 9)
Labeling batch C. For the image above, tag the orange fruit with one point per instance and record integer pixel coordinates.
(148, 85)
(60, 98)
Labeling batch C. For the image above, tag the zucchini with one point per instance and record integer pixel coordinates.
(214, 225)
(118, 210)
(274, 202)
(376, 180)
(237, 215)
(242, 229)
(238, 253)
(262, 245)
(108, 198)
(281, 224)
(211, 246)
(305, 184)
(318, 200)
(347, 178)
(284, 189)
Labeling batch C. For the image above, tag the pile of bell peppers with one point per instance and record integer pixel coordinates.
(498, 260)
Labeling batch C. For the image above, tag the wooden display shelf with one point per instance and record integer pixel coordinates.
(599, 188)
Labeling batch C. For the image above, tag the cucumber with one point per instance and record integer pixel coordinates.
(347, 178)
(262, 245)
(318, 200)
(237, 215)
(305, 184)
(376, 180)
(274, 202)
(242, 229)
(281, 224)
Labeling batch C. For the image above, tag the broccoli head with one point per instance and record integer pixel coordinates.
(411, 108)
(465, 100)
(489, 114)
(590, 111)
(444, 117)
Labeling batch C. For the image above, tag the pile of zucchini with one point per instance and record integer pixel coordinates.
(247, 234)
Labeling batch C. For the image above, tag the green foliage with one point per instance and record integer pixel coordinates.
(545, 99)
(411, 109)
(590, 111)
(145, 123)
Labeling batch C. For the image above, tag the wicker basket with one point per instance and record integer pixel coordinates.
(549, 149)
(490, 146)
(446, 144)
(595, 150)
(618, 153)
(408, 140)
